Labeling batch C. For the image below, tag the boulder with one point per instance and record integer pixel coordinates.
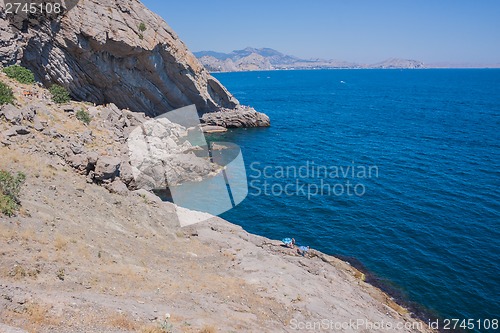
(93, 157)
(93, 111)
(76, 148)
(213, 129)
(38, 125)
(148, 196)
(16, 130)
(241, 117)
(118, 187)
(12, 114)
(86, 136)
(78, 162)
(28, 112)
(107, 168)
(126, 173)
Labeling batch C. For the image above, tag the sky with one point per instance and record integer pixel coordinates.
(364, 31)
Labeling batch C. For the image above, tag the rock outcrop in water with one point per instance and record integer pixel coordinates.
(115, 51)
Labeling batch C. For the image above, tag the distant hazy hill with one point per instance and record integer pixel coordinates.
(398, 63)
(268, 59)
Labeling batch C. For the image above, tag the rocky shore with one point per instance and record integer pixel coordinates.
(92, 251)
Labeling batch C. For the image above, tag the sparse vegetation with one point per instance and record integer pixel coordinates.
(7, 205)
(208, 329)
(123, 322)
(6, 95)
(60, 94)
(60, 242)
(18, 272)
(83, 116)
(166, 325)
(39, 316)
(142, 27)
(151, 329)
(61, 274)
(10, 187)
(20, 74)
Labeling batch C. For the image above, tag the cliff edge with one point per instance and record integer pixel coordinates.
(116, 51)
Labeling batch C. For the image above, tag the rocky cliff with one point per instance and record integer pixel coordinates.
(114, 51)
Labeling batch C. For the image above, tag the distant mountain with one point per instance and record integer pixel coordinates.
(399, 63)
(250, 59)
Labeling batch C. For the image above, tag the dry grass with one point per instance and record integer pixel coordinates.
(7, 233)
(39, 315)
(151, 329)
(28, 235)
(18, 272)
(119, 320)
(60, 242)
(83, 251)
(208, 329)
(27, 163)
(43, 255)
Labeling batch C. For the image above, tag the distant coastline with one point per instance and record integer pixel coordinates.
(342, 69)
(266, 59)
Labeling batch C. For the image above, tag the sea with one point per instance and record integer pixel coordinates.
(395, 170)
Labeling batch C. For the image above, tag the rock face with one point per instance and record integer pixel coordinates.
(107, 168)
(114, 51)
(246, 117)
(161, 155)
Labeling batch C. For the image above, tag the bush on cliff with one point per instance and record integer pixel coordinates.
(6, 95)
(10, 186)
(20, 74)
(59, 94)
(142, 27)
(83, 116)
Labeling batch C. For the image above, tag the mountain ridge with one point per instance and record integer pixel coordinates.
(251, 58)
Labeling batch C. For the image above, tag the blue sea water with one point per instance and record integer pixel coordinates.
(428, 221)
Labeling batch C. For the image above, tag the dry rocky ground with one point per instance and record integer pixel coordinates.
(83, 257)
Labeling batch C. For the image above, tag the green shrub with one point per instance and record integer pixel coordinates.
(59, 94)
(6, 95)
(83, 116)
(142, 27)
(10, 186)
(20, 74)
(7, 205)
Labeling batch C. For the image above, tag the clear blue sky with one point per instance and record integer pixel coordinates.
(457, 31)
